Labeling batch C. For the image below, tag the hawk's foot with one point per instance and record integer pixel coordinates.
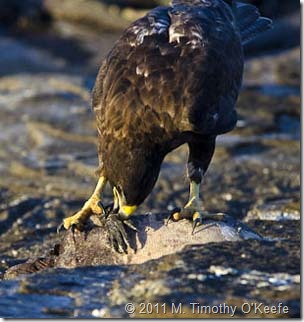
(92, 206)
(192, 209)
(117, 235)
(197, 216)
(190, 213)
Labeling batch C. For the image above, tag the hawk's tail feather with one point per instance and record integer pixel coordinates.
(250, 22)
(246, 15)
(261, 25)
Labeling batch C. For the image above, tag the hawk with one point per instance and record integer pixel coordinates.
(173, 77)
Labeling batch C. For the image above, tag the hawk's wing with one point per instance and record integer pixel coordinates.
(177, 69)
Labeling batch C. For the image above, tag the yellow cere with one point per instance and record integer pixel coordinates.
(128, 210)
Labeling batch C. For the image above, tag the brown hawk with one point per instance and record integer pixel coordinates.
(173, 77)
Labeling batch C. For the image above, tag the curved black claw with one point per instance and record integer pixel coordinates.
(59, 228)
(196, 221)
(78, 227)
(73, 227)
(130, 225)
(118, 237)
(101, 205)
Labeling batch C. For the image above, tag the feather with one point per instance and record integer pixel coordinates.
(246, 15)
(261, 25)
(250, 22)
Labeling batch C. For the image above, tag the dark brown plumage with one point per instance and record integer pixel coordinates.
(173, 77)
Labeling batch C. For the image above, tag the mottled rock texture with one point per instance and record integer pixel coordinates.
(156, 237)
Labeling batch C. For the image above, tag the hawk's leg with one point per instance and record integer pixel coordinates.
(200, 154)
(92, 206)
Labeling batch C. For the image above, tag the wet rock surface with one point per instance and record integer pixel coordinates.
(48, 158)
(234, 273)
(156, 237)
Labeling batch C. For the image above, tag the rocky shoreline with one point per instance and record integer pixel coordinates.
(48, 159)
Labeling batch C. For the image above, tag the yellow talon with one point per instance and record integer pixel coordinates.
(196, 215)
(92, 206)
(186, 213)
(79, 218)
(191, 209)
(176, 216)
